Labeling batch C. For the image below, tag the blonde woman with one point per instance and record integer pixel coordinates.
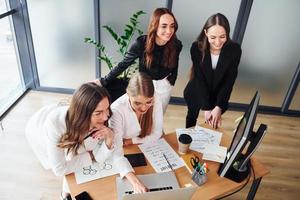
(138, 115)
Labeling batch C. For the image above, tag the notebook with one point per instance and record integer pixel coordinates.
(156, 182)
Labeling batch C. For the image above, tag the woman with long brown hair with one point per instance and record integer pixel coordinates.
(137, 115)
(68, 138)
(215, 60)
(158, 54)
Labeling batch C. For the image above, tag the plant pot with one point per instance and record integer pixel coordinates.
(117, 88)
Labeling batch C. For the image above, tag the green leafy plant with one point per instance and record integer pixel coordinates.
(122, 42)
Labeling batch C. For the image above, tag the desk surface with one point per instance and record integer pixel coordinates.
(215, 186)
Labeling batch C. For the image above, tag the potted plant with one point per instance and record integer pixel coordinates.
(118, 87)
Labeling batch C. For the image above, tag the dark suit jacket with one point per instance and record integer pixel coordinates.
(209, 88)
(157, 71)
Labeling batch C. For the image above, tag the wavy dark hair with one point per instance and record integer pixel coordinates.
(141, 84)
(169, 57)
(78, 118)
(216, 19)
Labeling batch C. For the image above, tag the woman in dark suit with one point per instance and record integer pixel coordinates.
(215, 66)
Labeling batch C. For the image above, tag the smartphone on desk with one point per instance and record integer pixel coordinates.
(83, 196)
(136, 159)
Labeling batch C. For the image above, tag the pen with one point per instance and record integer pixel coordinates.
(203, 168)
(94, 131)
(168, 162)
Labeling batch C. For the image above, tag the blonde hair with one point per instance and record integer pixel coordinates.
(141, 84)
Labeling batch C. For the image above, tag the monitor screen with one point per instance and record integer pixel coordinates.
(238, 134)
(241, 135)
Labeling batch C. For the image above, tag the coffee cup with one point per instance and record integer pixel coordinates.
(184, 142)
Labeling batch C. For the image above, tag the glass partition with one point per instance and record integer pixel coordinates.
(58, 31)
(295, 104)
(3, 7)
(124, 10)
(11, 81)
(271, 49)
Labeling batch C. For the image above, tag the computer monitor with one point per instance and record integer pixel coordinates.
(237, 166)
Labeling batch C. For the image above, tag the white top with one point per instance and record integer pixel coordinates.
(44, 130)
(124, 121)
(214, 61)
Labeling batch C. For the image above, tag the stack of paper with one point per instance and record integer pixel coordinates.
(207, 142)
(155, 152)
(95, 171)
(214, 153)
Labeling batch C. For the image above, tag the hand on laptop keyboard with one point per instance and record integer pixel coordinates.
(153, 189)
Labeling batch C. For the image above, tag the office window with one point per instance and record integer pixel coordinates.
(3, 7)
(58, 32)
(124, 8)
(191, 16)
(271, 49)
(295, 104)
(11, 82)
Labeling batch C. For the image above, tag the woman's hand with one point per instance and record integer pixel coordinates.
(207, 116)
(216, 117)
(127, 142)
(97, 81)
(138, 186)
(104, 133)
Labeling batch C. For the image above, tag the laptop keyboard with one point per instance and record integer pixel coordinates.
(153, 189)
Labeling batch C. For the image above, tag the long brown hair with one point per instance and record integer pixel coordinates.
(141, 84)
(169, 57)
(78, 118)
(216, 19)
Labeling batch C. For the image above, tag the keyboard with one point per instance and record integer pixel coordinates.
(153, 189)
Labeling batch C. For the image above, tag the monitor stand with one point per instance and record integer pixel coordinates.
(241, 168)
(235, 173)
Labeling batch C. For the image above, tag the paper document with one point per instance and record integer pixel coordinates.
(155, 152)
(201, 136)
(95, 171)
(214, 153)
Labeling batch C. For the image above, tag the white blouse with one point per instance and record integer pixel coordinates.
(124, 121)
(43, 132)
(214, 60)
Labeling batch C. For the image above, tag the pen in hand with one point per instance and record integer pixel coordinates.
(90, 134)
(168, 162)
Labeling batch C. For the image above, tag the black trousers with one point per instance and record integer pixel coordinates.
(193, 105)
(192, 114)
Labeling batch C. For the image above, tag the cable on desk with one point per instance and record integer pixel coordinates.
(253, 173)
(227, 195)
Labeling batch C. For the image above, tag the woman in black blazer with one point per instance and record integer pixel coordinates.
(158, 54)
(215, 66)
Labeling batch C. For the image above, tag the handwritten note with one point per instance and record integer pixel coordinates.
(214, 153)
(94, 172)
(201, 137)
(155, 152)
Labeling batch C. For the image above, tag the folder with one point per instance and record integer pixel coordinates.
(187, 161)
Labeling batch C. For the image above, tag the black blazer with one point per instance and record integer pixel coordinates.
(209, 88)
(157, 71)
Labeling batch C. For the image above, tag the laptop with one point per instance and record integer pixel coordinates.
(161, 186)
(176, 194)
